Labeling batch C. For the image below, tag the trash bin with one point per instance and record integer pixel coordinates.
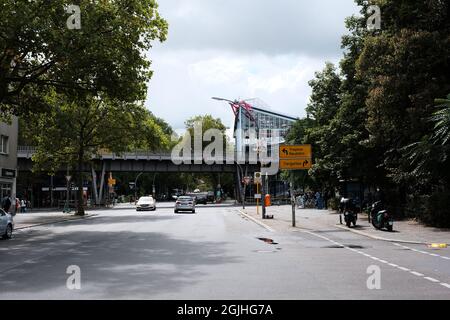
(267, 201)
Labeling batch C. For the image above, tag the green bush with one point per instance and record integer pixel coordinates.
(433, 210)
(438, 210)
(333, 203)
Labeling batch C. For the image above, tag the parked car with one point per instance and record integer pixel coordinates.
(210, 196)
(6, 224)
(201, 198)
(146, 203)
(185, 203)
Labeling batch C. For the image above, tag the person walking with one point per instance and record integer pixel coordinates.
(6, 203)
(23, 206)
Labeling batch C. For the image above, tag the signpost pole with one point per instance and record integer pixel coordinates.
(257, 199)
(263, 198)
(293, 204)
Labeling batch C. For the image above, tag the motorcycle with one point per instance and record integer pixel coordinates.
(381, 218)
(350, 212)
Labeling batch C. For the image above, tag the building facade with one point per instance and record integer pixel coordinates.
(8, 158)
(270, 125)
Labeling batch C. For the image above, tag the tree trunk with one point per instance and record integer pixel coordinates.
(80, 207)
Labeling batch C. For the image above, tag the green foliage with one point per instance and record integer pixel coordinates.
(375, 119)
(107, 56)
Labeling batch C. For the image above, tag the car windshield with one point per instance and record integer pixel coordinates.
(145, 200)
(185, 198)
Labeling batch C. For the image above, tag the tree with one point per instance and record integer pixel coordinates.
(325, 96)
(39, 54)
(76, 130)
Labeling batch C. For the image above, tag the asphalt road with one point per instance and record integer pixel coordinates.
(214, 254)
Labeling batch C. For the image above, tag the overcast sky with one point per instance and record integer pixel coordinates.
(267, 49)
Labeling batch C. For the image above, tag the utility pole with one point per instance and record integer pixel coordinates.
(263, 201)
(293, 202)
(135, 186)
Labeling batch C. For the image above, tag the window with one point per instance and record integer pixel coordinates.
(4, 144)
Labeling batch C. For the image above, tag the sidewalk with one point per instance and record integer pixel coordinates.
(32, 219)
(404, 231)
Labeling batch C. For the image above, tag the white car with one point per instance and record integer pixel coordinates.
(146, 203)
(185, 203)
(6, 224)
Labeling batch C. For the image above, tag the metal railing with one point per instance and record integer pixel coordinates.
(28, 151)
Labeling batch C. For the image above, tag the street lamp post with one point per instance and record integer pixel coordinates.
(153, 185)
(243, 189)
(135, 186)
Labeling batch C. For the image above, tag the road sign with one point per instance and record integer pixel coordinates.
(258, 178)
(247, 180)
(296, 164)
(295, 152)
(68, 178)
(258, 196)
(111, 182)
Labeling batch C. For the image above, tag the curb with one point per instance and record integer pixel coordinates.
(380, 238)
(256, 221)
(59, 221)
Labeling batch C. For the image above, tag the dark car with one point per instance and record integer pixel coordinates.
(210, 196)
(201, 198)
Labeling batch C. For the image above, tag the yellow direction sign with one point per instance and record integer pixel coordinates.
(296, 164)
(295, 152)
(112, 182)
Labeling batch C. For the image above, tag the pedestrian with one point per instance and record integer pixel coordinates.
(6, 203)
(23, 206)
(17, 206)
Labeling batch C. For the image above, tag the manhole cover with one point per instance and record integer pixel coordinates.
(352, 246)
(268, 241)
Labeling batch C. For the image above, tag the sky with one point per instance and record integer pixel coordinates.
(239, 49)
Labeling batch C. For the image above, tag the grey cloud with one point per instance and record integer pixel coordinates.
(267, 26)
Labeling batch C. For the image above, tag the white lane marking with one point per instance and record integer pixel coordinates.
(393, 265)
(382, 261)
(256, 221)
(432, 279)
(421, 251)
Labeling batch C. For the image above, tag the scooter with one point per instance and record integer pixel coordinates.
(348, 209)
(381, 218)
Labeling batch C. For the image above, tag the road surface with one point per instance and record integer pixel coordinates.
(214, 254)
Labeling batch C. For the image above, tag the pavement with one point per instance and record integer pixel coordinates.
(218, 253)
(406, 231)
(33, 219)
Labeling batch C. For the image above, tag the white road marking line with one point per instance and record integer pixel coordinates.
(431, 279)
(403, 268)
(383, 261)
(393, 265)
(423, 252)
